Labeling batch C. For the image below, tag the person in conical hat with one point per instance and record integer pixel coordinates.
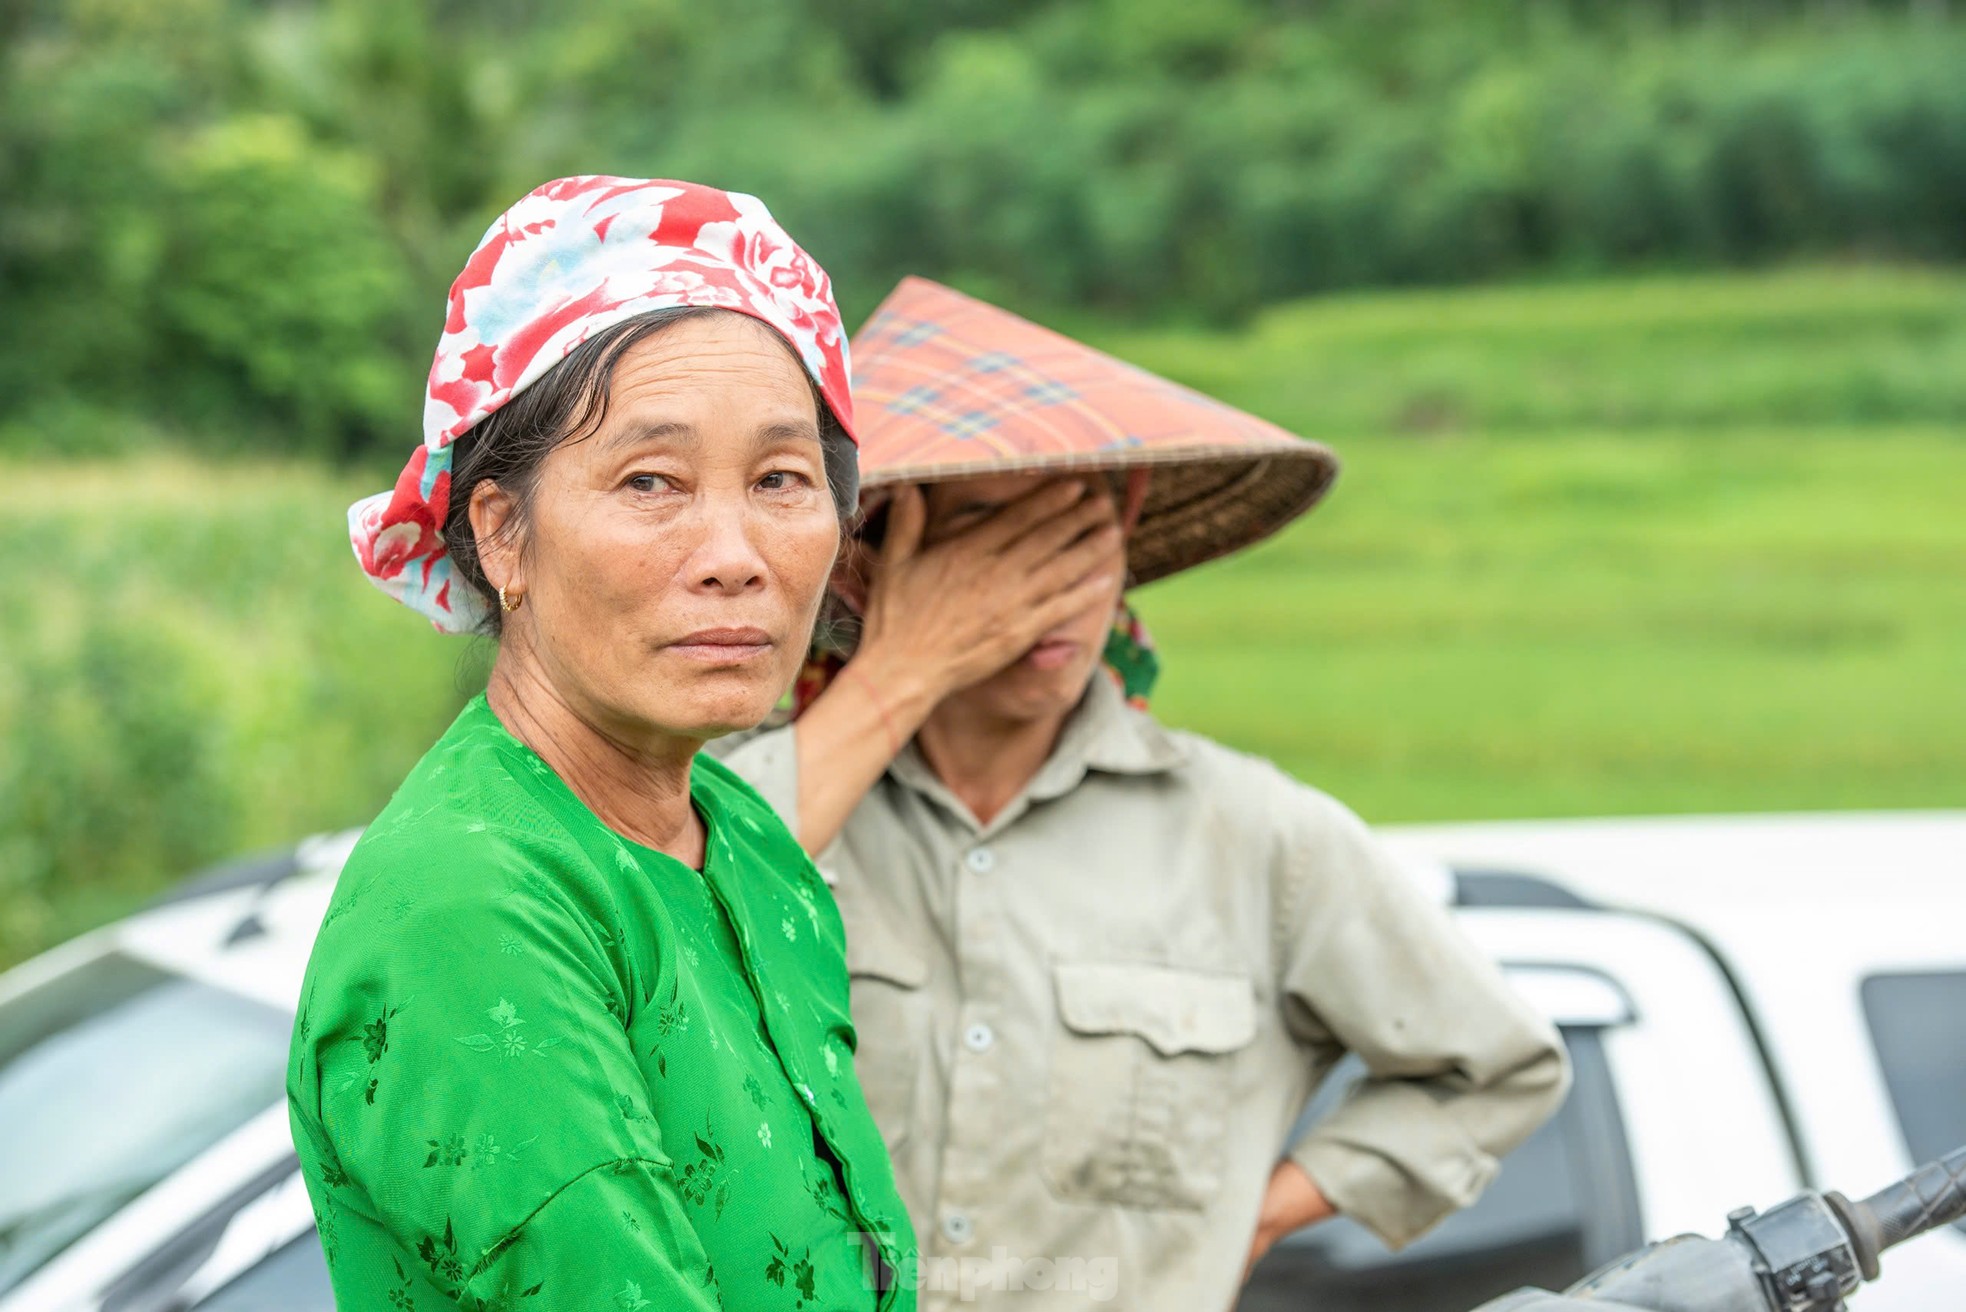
(1099, 966)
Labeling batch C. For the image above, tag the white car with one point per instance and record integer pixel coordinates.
(1753, 1006)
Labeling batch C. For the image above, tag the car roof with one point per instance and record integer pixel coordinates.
(248, 937)
(1804, 913)
(1678, 865)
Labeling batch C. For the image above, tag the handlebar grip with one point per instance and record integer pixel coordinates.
(1932, 1196)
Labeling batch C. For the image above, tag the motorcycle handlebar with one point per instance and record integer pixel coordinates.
(1932, 1196)
(1805, 1255)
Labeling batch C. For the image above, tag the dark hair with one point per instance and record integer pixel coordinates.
(509, 445)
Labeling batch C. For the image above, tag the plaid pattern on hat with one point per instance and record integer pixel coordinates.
(950, 387)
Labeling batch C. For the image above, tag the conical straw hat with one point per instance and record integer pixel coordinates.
(947, 387)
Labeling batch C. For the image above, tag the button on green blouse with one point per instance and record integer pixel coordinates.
(538, 1066)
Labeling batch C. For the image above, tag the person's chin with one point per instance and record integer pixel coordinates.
(712, 703)
(717, 721)
(1026, 693)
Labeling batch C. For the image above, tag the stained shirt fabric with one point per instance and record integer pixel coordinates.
(540, 1066)
(1088, 1026)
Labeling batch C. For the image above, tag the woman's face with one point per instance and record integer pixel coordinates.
(672, 561)
(1048, 679)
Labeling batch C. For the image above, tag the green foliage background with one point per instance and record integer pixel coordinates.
(1650, 545)
(224, 217)
(1638, 325)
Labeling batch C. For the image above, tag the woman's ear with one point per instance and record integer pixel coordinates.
(493, 514)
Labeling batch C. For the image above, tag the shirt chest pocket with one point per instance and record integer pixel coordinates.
(1142, 1082)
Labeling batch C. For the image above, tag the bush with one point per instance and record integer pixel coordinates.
(192, 668)
(288, 290)
(227, 216)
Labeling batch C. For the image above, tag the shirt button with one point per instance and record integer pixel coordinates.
(981, 859)
(979, 1037)
(956, 1228)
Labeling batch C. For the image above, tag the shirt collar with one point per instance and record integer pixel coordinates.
(1103, 734)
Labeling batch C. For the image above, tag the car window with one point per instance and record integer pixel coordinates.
(1918, 1026)
(112, 1076)
(1564, 1204)
(293, 1279)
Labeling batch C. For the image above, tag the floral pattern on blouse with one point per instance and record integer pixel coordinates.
(543, 1067)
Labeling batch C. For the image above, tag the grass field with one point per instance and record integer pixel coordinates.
(1506, 626)
(191, 668)
(1657, 545)
(1668, 545)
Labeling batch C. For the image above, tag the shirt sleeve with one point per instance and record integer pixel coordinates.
(1459, 1069)
(478, 1096)
(768, 760)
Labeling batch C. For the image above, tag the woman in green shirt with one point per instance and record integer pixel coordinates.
(575, 1033)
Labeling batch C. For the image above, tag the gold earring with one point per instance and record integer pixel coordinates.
(509, 602)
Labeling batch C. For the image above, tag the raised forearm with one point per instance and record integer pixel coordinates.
(847, 738)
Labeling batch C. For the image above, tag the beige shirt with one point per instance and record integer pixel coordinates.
(1086, 1027)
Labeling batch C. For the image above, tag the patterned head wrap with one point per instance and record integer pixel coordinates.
(574, 257)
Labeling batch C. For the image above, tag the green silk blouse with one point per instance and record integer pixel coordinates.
(538, 1066)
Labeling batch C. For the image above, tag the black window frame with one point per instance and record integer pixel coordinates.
(1924, 1081)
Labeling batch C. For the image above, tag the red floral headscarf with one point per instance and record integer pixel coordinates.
(574, 257)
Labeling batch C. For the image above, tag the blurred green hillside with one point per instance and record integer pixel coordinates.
(224, 219)
(1636, 545)
(1639, 325)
